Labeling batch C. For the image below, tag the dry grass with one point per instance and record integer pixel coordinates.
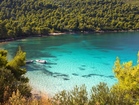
(36, 99)
(44, 100)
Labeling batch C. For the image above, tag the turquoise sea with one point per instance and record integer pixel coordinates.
(75, 59)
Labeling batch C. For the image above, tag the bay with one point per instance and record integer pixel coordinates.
(75, 59)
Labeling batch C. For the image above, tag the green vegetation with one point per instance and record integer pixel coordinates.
(12, 75)
(14, 89)
(19, 18)
(128, 80)
(100, 95)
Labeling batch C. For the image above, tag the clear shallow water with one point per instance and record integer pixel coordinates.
(75, 59)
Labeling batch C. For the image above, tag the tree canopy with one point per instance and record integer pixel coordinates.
(20, 18)
(127, 75)
(12, 75)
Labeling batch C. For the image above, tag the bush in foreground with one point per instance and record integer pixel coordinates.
(12, 75)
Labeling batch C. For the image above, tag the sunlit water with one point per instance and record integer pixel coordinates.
(75, 59)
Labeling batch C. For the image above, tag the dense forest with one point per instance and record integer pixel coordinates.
(20, 18)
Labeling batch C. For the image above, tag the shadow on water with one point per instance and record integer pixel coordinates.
(38, 54)
(75, 74)
(81, 68)
(90, 75)
(33, 67)
(44, 69)
(60, 75)
(49, 63)
(66, 78)
(38, 66)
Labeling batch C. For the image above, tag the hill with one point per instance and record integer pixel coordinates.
(32, 17)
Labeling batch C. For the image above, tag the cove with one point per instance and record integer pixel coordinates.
(75, 59)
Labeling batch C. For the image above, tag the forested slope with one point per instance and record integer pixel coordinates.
(32, 17)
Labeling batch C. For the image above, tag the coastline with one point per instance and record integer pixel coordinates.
(62, 33)
(56, 34)
(24, 37)
(39, 93)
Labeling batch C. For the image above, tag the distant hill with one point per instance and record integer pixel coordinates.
(32, 17)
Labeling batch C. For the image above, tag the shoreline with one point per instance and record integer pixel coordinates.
(37, 92)
(62, 33)
(25, 37)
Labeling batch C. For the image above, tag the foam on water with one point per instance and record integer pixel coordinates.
(75, 59)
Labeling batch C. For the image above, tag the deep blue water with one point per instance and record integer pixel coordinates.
(75, 59)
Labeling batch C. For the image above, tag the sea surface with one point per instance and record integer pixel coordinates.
(75, 59)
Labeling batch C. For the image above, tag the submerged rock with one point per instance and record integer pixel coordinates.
(74, 74)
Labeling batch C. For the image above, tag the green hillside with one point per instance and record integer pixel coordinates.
(32, 17)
